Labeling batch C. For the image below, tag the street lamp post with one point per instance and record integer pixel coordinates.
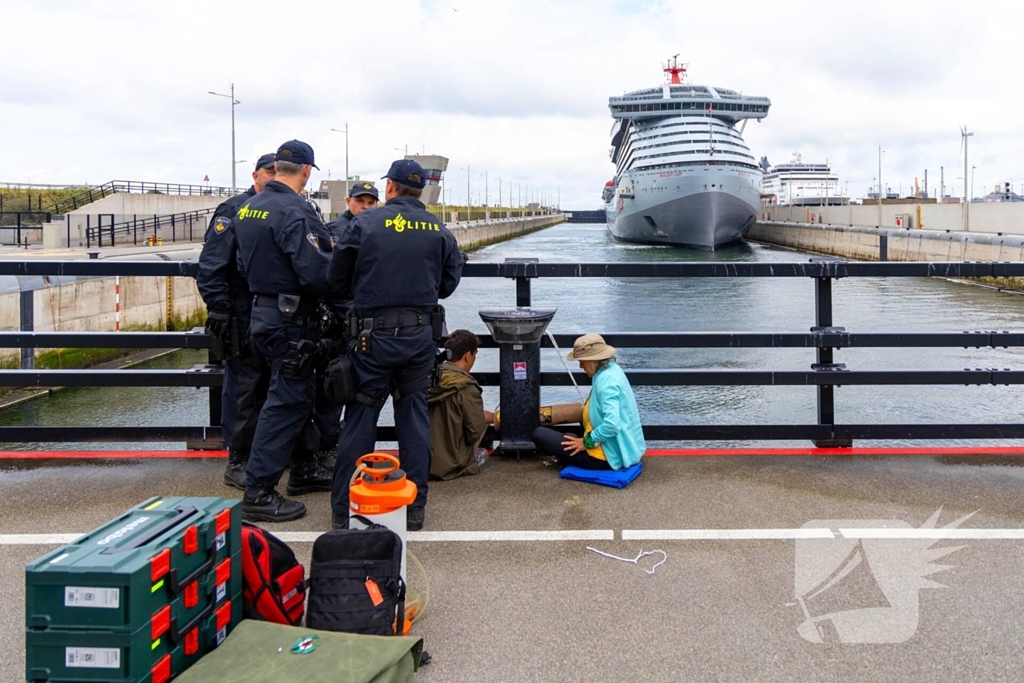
(233, 103)
(487, 193)
(469, 197)
(880, 195)
(338, 130)
(967, 199)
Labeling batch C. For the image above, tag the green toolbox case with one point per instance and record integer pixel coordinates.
(152, 654)
(179, 555)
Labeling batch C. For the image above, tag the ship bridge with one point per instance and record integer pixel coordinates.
(674, 100)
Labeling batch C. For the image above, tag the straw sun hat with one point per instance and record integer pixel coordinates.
(591, 347)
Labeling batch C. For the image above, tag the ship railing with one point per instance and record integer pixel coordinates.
(821, 372)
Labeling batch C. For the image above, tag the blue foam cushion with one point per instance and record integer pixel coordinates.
(615, 478)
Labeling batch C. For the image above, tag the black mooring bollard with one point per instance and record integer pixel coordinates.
(518, 332)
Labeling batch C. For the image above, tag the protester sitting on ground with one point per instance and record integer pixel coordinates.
(612, 436)
(458, 420)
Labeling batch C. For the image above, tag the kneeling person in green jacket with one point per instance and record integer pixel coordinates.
(458, 420)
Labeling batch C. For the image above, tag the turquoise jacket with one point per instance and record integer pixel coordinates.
(616, 418)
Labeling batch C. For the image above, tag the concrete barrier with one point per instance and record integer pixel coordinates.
(864, 244)
(476, 234)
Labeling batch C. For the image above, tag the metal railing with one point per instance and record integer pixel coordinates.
(13, 222)
(823, 373)
(92, 194)
(183, 224)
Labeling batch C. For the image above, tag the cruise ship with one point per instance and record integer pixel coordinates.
(800, 184)
(683, 174)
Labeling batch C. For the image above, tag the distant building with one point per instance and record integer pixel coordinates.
(435, 166)
(337, 190)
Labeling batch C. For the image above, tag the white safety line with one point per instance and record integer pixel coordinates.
(38, 539)
(609, 535)
(499, 536)
(954, 534)
(722, 534)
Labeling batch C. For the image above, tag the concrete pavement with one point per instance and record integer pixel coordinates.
(554, 611)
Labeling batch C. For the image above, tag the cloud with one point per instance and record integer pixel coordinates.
(512, 88)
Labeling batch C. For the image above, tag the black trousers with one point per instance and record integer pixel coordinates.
(251, 380)
(549, 441)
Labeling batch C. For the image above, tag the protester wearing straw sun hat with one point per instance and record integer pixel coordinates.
(612, 435)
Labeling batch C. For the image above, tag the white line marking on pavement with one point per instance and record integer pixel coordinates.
(954, 534)
(722, 534)
(499, 536)
(609, 535)
(38, 539)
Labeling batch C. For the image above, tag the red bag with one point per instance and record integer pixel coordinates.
(274, 586)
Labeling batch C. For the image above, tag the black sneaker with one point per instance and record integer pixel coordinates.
(414, 518)
(234, 475)
(267, 505)
(327, 458)
(339, 521)
(309, 477)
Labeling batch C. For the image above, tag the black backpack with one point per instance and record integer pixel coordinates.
(355, 582)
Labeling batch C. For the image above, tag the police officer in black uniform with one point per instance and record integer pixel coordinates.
(279, 242)
(396, 261)
(327, 415)
(229, 303)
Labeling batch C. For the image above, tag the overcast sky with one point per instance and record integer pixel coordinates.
(98, 90)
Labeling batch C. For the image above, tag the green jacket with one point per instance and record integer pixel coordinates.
(457, 424)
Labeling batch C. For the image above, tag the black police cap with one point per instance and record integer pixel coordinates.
(363, 188)
(296, 152)
(408, 172)
(266, 161)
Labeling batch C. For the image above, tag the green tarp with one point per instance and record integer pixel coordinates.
(250, 655)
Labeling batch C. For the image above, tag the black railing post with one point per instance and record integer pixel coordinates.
(88, 231)
(883, 247)
(826, 392)
(523, 291)
(28, 319)
(18, 221)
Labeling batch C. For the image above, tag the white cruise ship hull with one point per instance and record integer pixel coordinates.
(697, 207)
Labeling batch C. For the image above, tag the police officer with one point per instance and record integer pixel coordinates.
(229, 303)
(327, 415)
(397, 261)
(279, 242)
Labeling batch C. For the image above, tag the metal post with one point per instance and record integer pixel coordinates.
(28, 314)
(826, 395)
(18, 221)
(883, 247)
(88, 234)
(522, 291)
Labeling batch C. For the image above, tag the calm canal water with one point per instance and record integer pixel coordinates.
(713, 304)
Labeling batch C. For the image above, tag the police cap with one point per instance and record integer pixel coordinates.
(363, 188)
(266, 161)
(297, 152)
(408, 172)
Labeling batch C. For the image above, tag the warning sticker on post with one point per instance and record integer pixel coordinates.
(519, 371)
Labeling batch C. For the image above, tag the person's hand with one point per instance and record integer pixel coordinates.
(573, 444)
(488, 417)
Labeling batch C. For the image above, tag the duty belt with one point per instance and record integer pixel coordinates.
(391, 321)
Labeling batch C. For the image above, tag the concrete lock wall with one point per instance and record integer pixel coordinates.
(475, 234)
(997, 217)
(81, 304)
(902, 245)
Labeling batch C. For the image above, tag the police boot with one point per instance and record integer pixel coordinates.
(327, 458)
(265, 504)
(339, 521)
(309, 477)
(234, 473)
(414, 518)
